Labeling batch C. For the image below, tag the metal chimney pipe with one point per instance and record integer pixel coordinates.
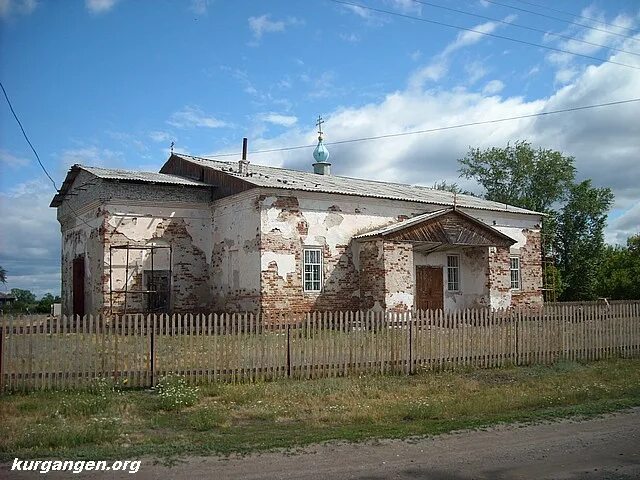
(243, 164)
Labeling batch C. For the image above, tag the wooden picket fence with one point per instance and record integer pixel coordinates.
(137, 350)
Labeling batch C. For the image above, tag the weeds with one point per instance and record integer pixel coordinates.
(177, 418)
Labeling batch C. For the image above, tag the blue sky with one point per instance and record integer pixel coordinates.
(112, 83)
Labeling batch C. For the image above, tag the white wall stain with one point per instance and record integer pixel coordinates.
(285, 262)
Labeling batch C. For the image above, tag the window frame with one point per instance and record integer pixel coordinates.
(518, 270)
(458, 269)
(320, 280)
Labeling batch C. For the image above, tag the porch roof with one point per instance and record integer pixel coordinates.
(448, 226)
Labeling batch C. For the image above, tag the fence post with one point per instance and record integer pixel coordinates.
(152, 350)
(410, 343)
(2, 325)
(288, 350)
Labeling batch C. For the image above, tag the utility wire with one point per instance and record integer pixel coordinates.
(493, 35)
(526, 27)
(560, 19)
(576, 15)
(435, 129)
(26, 137)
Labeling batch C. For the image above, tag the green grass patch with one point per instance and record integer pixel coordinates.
(106, 422)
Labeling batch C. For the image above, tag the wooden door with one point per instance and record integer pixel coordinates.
(78, 286)
(429, 288)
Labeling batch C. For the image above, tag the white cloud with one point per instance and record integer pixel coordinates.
(278, 119)
(30, 243)
(464, 39)
(99, 6)
(193, 116)
(90, 156)
(604, 141)
(160, 136)
(406, 6)
(263, 24)
(17, 7)
(350, 37)
(415, 55)
(11, 160)
(493, 87)
(200, 7)
(432, 72)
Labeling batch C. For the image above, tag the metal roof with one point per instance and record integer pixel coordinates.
(137, 176)
(274, 177)
(121, 175)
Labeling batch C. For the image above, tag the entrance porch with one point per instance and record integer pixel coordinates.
(438, 260)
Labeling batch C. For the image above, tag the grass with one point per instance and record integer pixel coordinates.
(107, 423)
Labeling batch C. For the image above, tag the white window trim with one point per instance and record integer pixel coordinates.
(459, 289)
(304, 282)
(519, 269)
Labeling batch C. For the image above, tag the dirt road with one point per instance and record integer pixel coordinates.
(601, 448)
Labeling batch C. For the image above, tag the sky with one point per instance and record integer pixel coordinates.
(113, 82)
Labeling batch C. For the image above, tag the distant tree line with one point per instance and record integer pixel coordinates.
(26, 301)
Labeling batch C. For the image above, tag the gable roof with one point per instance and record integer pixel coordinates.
(283, 178)
(113, 174)
(447, 226)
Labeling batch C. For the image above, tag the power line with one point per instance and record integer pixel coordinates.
(576, 15)
(26, 137)
(560, 19)
(493, 35)
(526, 27)
(435, 129)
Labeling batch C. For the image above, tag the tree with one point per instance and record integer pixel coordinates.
(451, 187)
(3, 275)
(25, 300)
(520, 175)
(580, 239)
(619, 273)
(44, 304)
(543, 180)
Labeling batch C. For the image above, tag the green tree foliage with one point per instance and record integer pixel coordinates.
(451, 187)
(580, 239)
(26, 302)
(543, 180)
(520, 175)
(3, 275)
(619, 273)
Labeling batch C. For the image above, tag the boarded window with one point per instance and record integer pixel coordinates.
(158, 299)
(515, 273)
(453, 273)
(312, 270)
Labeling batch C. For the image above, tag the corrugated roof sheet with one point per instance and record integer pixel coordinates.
(138, 176)
(122, 175)
(274, 177)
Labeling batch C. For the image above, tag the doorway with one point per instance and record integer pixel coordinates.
(78, 286)
(429, 288)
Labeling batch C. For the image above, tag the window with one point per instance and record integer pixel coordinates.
(312, 270)
(453, 273)
(515, 273)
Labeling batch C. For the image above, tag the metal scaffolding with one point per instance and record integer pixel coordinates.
(151, 288)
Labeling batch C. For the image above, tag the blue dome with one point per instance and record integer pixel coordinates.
(321, 154)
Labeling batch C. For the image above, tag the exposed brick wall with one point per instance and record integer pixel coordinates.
(531, 271)
(190, 286)
(285, 291)
(499, 277)
(372, 278)
(398, 275)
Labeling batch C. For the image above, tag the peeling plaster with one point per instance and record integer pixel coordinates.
(135, 229)
(285, 262)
